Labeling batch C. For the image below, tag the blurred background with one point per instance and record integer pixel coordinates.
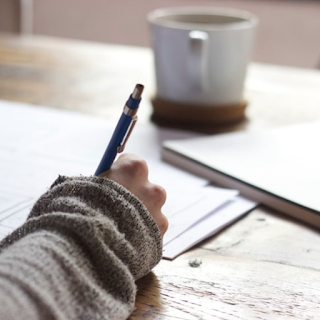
(288, 34)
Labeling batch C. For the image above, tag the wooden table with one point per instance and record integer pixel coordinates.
(266, 266)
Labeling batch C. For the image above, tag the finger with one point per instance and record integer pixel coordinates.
(162, 222)
(132, 165)
(128, 170)
(156, 194)
(154, 197)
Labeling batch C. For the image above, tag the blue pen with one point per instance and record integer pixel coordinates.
(122, 131)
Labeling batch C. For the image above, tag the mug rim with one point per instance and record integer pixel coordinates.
(249, 19)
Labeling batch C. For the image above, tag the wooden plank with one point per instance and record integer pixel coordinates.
(226, 287)
(93, 78)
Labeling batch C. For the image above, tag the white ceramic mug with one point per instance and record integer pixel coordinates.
(201, 54)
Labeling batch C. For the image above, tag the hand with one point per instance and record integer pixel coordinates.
(132, 172)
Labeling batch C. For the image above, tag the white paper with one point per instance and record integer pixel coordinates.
(210, 225)
(37, 144)
(194, 207)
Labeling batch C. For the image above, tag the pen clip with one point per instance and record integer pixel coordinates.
(128, 133)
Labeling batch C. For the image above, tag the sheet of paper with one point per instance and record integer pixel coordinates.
(37, 144)
(41, 143)
(210, 225)
(192, 207)
(9, 200)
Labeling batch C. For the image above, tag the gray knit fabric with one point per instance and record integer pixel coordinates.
(79, 253)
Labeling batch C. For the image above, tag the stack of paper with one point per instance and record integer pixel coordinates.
(213, 222)
(37, 144)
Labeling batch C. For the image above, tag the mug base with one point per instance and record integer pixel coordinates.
(207, 119)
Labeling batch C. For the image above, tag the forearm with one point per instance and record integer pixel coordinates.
(85, 243)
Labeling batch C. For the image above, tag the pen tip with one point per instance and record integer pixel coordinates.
(137, 92)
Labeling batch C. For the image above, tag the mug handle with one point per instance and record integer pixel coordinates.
(197, 62)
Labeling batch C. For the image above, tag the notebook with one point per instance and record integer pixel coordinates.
(279, 167)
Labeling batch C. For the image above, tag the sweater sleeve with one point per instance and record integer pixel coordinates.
(78, 254)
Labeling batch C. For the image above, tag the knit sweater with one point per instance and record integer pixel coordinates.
(78, 254)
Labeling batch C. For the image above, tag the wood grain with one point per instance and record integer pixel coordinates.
(265, 266)
(227, 287)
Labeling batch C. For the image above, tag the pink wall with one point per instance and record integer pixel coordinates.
(288, 33)
(9, 15)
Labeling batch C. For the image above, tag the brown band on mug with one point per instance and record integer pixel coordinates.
(196, 117)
